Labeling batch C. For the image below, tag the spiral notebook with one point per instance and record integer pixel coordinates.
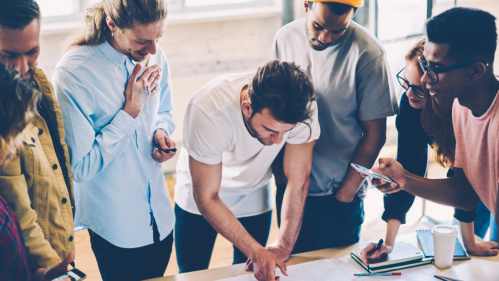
(425, 239)
(404, 255)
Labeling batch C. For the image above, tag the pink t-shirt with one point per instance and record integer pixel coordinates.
(477, 149)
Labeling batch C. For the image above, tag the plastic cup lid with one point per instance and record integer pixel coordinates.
(444, 230)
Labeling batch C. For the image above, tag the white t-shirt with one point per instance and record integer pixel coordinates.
(214, 132)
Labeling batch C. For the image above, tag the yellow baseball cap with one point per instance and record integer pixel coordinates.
(353, 3)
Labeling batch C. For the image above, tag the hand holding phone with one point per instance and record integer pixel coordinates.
(370, 173)
(168, 150)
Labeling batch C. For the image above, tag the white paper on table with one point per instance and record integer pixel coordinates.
(474, 269)
(326, 269)
(341, 269)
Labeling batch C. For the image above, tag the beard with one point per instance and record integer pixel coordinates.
(254, 133)
(135, 57)
(28, 76)
(312, 41)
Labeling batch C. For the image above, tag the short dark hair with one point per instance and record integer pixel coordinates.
(17, 14)
(285, 90)
(336, 8)
(470, 33)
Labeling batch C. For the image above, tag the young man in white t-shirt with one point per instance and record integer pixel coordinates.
(233, 129)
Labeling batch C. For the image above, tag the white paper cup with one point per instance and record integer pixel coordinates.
(444, 241)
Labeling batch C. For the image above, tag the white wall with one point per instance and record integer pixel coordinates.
(198, 50)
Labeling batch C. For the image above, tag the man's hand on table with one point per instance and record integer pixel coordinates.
(282, 253)
(487, 248)
(265, 262)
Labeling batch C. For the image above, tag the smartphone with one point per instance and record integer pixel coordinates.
(169, 150)
(74, 275)
(370, 173)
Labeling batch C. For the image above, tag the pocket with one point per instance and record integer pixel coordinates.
(348, 210)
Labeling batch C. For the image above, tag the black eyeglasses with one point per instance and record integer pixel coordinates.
(418, 91)
(433, 72)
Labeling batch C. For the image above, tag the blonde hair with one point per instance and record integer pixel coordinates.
(17, 103)
(436, 119)
(124, 13)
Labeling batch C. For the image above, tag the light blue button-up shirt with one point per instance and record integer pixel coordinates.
(117, 183)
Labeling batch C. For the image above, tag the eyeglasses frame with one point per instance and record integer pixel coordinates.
(414, 87)
(428, 69)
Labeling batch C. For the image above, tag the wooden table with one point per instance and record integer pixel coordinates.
(238, 269)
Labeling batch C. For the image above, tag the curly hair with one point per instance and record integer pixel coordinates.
(436, 119)
(17, 104)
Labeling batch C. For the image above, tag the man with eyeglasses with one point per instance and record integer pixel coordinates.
(458, 69)
(351, 76)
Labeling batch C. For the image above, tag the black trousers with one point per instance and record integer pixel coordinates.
(146, 262)
(195, 238)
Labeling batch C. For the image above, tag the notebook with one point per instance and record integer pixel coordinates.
(404, 255)
(425, 239)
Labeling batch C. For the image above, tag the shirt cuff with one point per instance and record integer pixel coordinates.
(125, 123)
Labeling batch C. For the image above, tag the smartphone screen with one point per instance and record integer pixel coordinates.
(370, 172)
(74, 275)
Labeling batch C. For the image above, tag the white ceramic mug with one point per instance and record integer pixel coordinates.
(444, 241)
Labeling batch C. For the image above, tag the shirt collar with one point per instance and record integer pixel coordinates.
(114, 56)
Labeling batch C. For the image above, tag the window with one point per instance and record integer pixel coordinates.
(204, 5)
(69, 10)
(397, 20)
(62, 10)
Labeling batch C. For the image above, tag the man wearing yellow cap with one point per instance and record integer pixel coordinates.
(349, 69)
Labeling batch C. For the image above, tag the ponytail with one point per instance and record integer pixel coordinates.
(124, 13)
(95, 30)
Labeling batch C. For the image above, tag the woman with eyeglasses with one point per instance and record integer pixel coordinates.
(422, 122)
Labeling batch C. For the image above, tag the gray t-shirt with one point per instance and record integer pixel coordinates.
(353, 82)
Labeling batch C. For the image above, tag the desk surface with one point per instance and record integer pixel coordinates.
(238, 269)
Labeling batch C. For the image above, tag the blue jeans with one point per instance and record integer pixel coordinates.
(485, 220)
(195, 238)
(327, 222)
